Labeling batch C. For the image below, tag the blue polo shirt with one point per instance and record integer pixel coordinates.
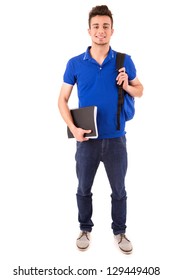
(96, 85)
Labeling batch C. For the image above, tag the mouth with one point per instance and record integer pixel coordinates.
(100, 37)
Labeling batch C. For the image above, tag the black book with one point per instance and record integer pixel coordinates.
(85, 118)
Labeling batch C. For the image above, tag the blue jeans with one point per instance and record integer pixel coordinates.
(113, 154)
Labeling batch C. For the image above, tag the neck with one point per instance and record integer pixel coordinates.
(99, 50)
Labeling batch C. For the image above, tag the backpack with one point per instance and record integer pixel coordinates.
(126, 102)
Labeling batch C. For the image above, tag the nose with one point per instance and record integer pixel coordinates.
(101, 30)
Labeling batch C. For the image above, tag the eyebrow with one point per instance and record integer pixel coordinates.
(94, 24)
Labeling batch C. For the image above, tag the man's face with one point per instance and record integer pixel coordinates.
(100, 30)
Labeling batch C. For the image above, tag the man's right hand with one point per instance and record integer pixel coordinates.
(79, 133)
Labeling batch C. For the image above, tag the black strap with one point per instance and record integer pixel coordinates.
(119, 64)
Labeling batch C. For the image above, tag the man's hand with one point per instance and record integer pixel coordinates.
(122, 78)
(79, 134)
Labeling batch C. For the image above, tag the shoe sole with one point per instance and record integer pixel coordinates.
(126, 252)
(82, 249)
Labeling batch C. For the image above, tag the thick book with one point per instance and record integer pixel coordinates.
(85, 118)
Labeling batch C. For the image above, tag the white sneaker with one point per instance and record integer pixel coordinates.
(124, 243)
(83, 241)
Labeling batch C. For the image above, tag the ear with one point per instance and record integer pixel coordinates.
(112, 32)
(89, 31)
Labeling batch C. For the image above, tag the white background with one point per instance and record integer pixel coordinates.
(38, 212)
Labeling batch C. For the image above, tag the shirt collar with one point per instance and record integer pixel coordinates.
(87, 55)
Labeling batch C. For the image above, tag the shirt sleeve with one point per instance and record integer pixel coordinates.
(130, 67)
(69, 74)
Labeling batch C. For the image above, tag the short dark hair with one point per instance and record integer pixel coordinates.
(100, 11)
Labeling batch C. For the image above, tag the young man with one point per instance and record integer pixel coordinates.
(97, 78)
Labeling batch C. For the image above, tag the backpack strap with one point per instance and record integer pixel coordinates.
(119, 64)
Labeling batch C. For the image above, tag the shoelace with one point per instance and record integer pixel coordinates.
(84, 233)
(122, 235)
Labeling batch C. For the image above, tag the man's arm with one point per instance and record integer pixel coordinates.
(64, 96)
(135, 88)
